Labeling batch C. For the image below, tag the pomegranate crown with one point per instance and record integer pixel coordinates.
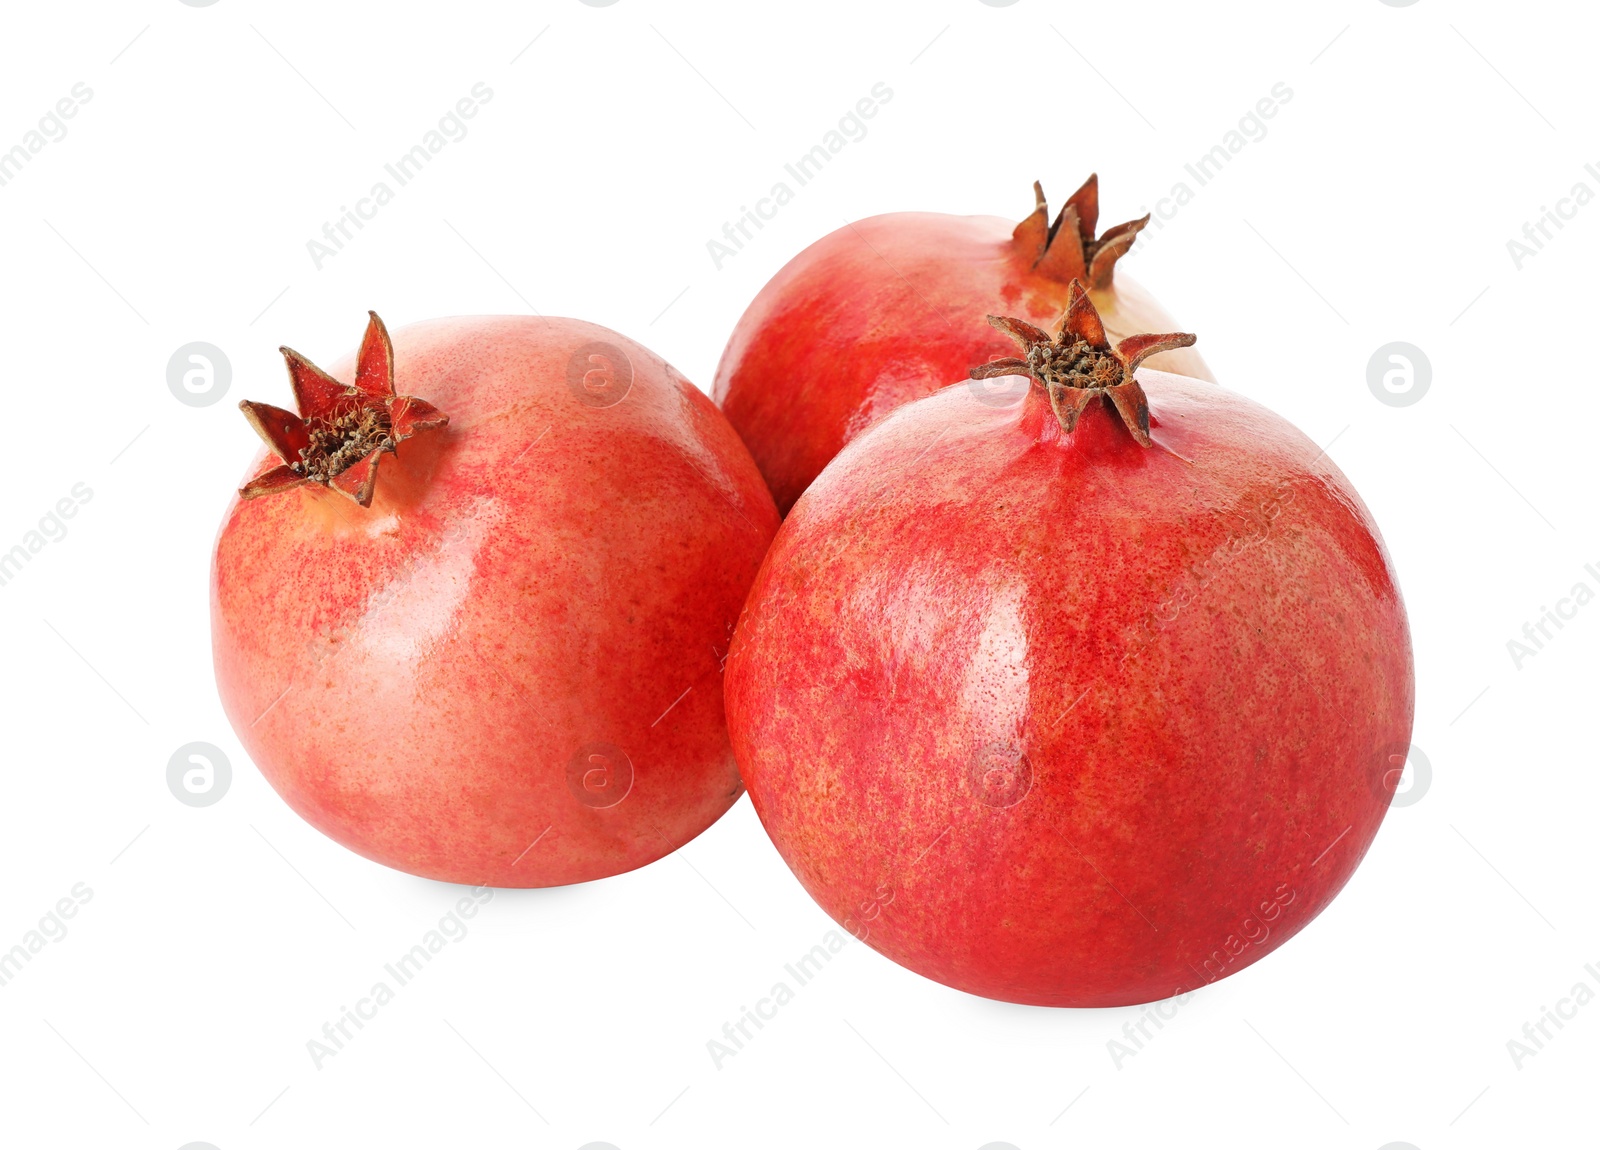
(1067, 249)
(341, 430)
(1078, 365)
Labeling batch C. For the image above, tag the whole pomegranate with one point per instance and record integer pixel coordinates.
(1084, 695)
(889, 309)
(497, 657)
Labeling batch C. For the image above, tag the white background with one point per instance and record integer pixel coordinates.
(1378, 207)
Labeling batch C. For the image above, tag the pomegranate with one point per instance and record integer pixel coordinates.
(1086, 694)
(889, 309)
(497, 658)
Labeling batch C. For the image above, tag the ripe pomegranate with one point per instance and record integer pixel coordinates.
(888, 309)
(1082, 698)
(498, 658)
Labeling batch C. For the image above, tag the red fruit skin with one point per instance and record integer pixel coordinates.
(415, 678)
(1057, 719)
(884, 311)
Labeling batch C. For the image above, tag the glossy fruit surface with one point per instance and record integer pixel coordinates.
(1055, 717)
(889, 309)
(489, 650)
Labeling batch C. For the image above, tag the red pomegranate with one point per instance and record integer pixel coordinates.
(1085, 695)
(497, 657)
(889, 309)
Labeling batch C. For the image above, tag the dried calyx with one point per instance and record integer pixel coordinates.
(1078, 365)
(1068, 249)
(342, 430)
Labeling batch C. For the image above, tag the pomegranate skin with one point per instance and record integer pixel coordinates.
(1057, 719)
(884, 311)
(507, 669)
